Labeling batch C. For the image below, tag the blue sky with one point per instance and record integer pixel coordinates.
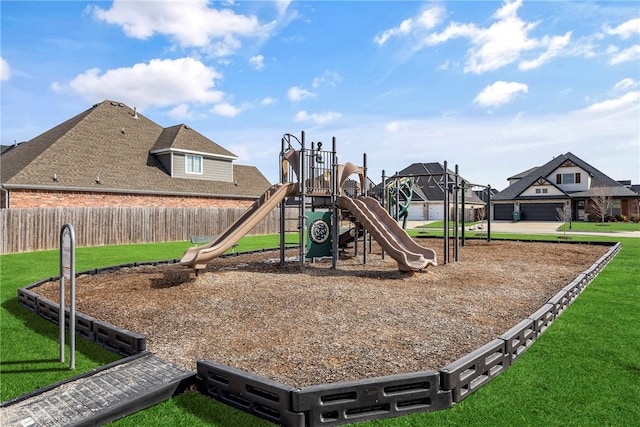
(496, 87)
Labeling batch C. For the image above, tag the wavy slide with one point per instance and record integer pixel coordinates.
(409, 255)
(199, 257)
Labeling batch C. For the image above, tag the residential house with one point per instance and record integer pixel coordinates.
(111, 155)
(565, 182)
(427, 198)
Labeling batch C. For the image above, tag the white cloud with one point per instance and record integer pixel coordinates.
(624, 30)
(190, 23)
(629, 54)
(161, 82)
(428, 19)
(396, 126)
(297, 94)
(257, 62)
(180, 112)
(225, 109)
(624, 84)
(322, 118)
(282, 6)
(5, 69)
(268, 101)
(502, 43)
(505, 41)
(329, 78)
(629, 99)
(499, 93)
(555, 46)
(488, 148)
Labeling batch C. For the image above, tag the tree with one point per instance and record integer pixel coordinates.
(600, 203)
(564, 215)
(481, 213)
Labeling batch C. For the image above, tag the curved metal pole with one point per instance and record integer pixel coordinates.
(68, 272)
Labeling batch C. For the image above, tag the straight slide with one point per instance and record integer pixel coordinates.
(395, 241)
(199, 257)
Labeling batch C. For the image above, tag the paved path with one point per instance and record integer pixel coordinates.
(535, 227)
(108, 394)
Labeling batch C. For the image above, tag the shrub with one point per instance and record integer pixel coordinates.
(591, 217)
(621, 218)
(635, 218)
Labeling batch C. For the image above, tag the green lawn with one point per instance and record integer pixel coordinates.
(584, 370)
(597, 227)
(29, 350)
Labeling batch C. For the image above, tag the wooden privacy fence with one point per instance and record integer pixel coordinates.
(25, 230)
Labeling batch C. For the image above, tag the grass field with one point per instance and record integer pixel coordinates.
(584, 370)
(597, 227)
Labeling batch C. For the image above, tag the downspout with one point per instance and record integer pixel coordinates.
(6, 198)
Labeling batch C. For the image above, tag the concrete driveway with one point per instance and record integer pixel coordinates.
(526, 227)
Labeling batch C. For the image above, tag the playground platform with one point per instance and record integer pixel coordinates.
(97, 397)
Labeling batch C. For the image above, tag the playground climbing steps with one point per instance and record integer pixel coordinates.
(95, 398)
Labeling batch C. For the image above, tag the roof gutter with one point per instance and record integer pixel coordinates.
(200, 153)
(122, 190)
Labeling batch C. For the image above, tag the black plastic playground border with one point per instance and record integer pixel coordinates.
(340, 403)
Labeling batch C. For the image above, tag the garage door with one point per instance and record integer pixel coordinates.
(436, 212)
(539, 211)
(503, 212)
(417, 211)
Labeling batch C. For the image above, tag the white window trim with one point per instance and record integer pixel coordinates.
(186, 164)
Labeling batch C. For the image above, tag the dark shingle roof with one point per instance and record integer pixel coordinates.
(109, 143)
(523, 174)
(429, 188)
(184, 138)
(598, 179)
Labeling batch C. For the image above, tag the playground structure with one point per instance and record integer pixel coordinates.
(312, 181)
(399, 192)
(399, 189)
(310, 405)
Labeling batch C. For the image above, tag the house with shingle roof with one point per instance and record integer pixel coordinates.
(110, 155)
(427, 193)
(564, 182)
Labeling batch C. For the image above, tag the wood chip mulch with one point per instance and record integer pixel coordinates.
(323, 325)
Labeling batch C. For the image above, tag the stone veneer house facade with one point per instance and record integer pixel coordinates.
(110, 155)
(566, 181)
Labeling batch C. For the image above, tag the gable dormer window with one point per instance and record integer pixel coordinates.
(568, 178)
(193, 164)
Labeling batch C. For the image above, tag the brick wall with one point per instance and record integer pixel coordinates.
(55, 199)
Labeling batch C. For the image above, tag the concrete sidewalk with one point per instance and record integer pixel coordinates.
(534, 227)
